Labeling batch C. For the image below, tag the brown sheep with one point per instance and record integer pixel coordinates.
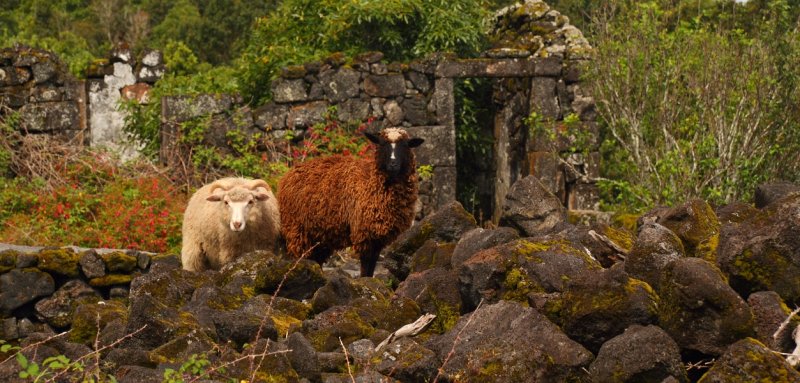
(331, 203)
(226, 219)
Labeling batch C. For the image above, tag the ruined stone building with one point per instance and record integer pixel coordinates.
(543, 123)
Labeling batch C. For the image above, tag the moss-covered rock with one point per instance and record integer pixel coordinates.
(656, 246)
(326, 328)
(699, 310)
(112, 279)
(445, 225)
(265, 271)
(435, 291)
(63, 261)
(507, 342)
(407, 361)
(8, 260)
(697, 226)
(118, 261)
(762, 253)
(748, 360)
(515, 270)
(600, 305)
(58, 309)
(641, 354)
(90, 318)
(21, 286)
(431, 254)
(180, 348)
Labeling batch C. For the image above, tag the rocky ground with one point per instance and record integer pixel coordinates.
(688, 293)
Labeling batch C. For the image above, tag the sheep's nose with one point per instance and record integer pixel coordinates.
(237, 224)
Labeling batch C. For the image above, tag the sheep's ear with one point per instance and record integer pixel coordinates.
(414, 142)
(214, 198)
(375, 139)
(261, 194)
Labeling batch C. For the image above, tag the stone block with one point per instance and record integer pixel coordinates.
(393, 112)
(285, 91)
(340, 85)
(391, 85)
(44, 71)
(420, 81)
(415, 108)
(548, 66)
(46, 93)
(439, 148)
(152, 58)
(354, 110)
(271, 116)
(546, 167)
(49, 117)
(544, 98)
(10, 76)
(305, 115)
(583, 196)
(150, 74)
(444, 186)
(183, 108)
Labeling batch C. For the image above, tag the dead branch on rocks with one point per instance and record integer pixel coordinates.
(410, 329)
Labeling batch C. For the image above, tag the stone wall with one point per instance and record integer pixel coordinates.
(42, 287)
(36, 85)
(49, 101)
(114, 80)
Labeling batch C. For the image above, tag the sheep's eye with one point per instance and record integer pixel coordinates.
(250, 202)
(226, 203)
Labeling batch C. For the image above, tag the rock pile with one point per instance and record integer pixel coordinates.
(693, 295)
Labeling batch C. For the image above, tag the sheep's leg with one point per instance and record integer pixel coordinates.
(368, 253)
(320, 254)
(193, 259)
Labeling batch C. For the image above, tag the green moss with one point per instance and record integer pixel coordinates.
(118, 261)
(8, 260)
(284, 323)
(625, 221)
(59, 261)
(85, 321)
(111, 280)
(446, 317)
(517, 286)
(490, 370)
(622, 238)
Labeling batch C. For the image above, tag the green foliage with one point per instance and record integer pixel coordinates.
(332, 137)
(680, 115)
(303, 30)
(474, 140)
(99, 205)
(196, 367)
(425, 172)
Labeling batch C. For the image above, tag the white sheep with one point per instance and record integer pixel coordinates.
(227, 218)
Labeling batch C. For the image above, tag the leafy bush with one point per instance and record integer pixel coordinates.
(98, 205)
(681, 116)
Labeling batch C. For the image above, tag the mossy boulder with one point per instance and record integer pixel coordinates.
(112, 280)
(8, 260)
(58, 309)
(770, 312)
(341, 290)
(63, 261)
(655, 247)
(641, 354)
(479, 239)
(507, 342)
(180, 348)
(435, 291)
(90, 318)
(735, 213)
(431, 254)
(768, 193)
(118, 261)
(168, 284)
(21, 286)
(696, 224)
(600, 305)
(445, 225)
(748, 360)
(515, 270)
(339, 322)
(407, 361)
(163, 323)
(699, 310)
(264, 272)
(762, 253)
(531, 209)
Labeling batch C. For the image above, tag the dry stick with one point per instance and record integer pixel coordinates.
(785, 323)
(97, 351)
(269, 311)
(455, 342)
(347, 361)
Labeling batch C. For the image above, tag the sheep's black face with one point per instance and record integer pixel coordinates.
(394, 151)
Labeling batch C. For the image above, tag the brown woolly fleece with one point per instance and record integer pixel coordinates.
(340, 201)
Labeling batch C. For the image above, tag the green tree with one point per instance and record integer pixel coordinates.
(302, 30)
